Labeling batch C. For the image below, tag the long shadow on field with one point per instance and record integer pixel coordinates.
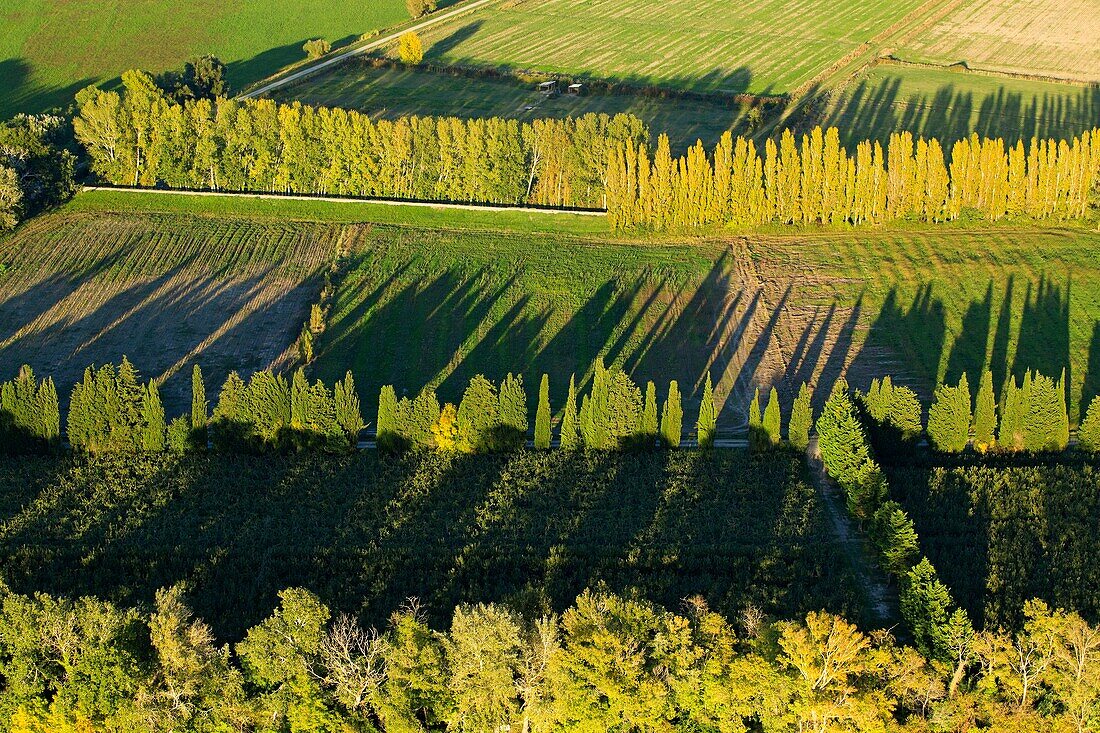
(1090, 389)
(1043, 342)
(905, 342)
(968, 351)
(367, 531)
(949, 113)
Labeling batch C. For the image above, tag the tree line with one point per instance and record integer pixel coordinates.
(143, 136)
(819, 182)
(608, 663)
(111, 410)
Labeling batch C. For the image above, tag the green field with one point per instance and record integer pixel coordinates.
(432, 297)
(366, 531)
(50, 49)
(951, 104)
(389, 92)
(768, 47)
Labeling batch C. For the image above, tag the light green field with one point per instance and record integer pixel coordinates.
(388, 92)
(950, 104)
(49, 49)
(765, 47)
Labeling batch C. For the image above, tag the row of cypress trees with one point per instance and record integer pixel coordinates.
(613, 415)
(112, 410)
(819, 182)
(140, 137)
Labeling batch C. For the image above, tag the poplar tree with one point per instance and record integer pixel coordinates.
(672, 417)
(798, 432)
(772, 419)
(707, 424)
(542, 415)
(569, 432)
(648, 429)
(985, 413)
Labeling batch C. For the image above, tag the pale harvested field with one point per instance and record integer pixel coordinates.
(167, 291)
(1050, 38)
(767, 46)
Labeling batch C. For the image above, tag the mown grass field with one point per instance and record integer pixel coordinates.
(389, 92)
(368, 531)
(767, 47)
(432, 297)
(950, 104)
(1047, 38)
(50, 49)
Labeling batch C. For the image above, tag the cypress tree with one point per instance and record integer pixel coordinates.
(772, 419)
(199, 405)
(757, 439)
(949, 418)
(387, 434)
(417, 416)
(569, 433)
(299, 400)
(985, 413)
(841, 440)
(1010, 434)
(894, 536)
(49, 413)
(707, 424)
(348, 414)
(513, 413)
(672, 417)
(130, 400)
(1088, 435)
(542, 415)
(802, 418)
(153, 428)
(648, 431)
(479, 417)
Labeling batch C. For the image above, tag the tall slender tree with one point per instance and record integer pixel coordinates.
(707, 424)
(542, 415)
(672, 417)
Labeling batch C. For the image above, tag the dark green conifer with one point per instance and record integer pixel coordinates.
(798, 432)
(542, 415)
(672, 417)
(569, 433)
(707, 425)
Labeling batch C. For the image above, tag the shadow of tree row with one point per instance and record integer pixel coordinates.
(367, 531)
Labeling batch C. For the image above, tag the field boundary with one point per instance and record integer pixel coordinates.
(348, 200)
(962, 67)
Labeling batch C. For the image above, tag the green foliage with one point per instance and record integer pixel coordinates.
(926, 606)
(841, 440)
(479, 417)
(1002, 534)
(419, 8)
(895, 538)
(611, 413)
(772, 419)
(1034, 416)
(153, 428)
(387, 434)
(707, 425)
(513, 414)
(647, 431)
(949, 418)
(542, 415)
(802, 419)
(985, 413)
(29, 415)
(107, 411)
(569, 430)
(757, 438)
(672, 417)
(199, 409)
(1088, 435)
(178, 438)
(316, 48)
(348, 416)
(895, 416)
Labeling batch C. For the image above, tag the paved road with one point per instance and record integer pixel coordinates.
(332, 60)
